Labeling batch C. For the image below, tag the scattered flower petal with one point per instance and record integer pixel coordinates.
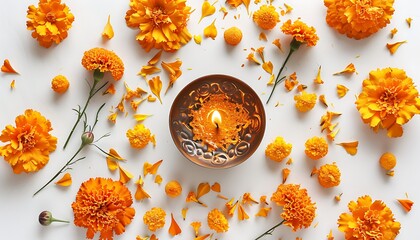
(151, 168)
(268, 67)
(318, 79)
(393, 47)
(211, 31)
(108, 30)
(148, 70)
(141, 117)
(184, 213)
(196, 226)
(409, 20)
(277, 43)
(65, 181)
(12, 84)
(7, 67)
(248, 199)
(285, 172)
(158, 179)
(215, 187)
(207, 9)
(140, 192)
(155, 59)
(337, 198)
(262, 36)
(125, 176)
(174, 71)
(393, 32)
(341, 90)
(155, 85)
(202, 189)
(197, 39)
(263, 212)
(174, 229)
(323, 100)
(406, 204)
(348, 70)
(242, 215)
(110, 89)
(350, 147)
(251, 57)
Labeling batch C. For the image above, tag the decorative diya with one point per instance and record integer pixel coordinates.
(217, 121)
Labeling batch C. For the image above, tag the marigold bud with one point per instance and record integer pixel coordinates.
(45, 218)
(87, 138)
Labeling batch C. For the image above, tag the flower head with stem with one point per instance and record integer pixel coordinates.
(45, 218)
(301, 33)
(100, 60)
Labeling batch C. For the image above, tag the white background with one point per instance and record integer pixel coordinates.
(361, 174)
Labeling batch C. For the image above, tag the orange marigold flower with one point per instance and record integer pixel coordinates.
(316, 148)
(30, 142)
(154, 218)
(60, 84)
(358, 18)
(305, 101)
(49, 22)
(103, 205)
(368, 220)
(388, 100)
(266, 17)
(162, 23)
(278, 150)
(298, 209)
(301, 32)
(388, 161)
(104, 60)
(173, 189)
(217, 221)
(233, 36)
(329, 175)
(139, 136)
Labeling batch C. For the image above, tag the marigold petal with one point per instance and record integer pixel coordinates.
(141, 193)
(110, 89)
(216, 187)
(174, 228)
(125, 175)
(263, 212)
(155, 59)
(204, 237)
(348, 70)
(148, 70)
(108, 30)
(207, 9)
(350, 147)
(65, 181)
(318, 79)
(393, 47)
(141, 117)
(7, 67)
(268, 67)
(151, 168)
(406, 204)
(286, 173)
(155, 85)
(341, 90)
(211, 31)
(242, 215)
(202, 189)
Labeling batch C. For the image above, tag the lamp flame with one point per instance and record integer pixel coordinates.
(216, 118)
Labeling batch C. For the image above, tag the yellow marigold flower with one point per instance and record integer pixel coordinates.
(60, 84)
(103, 205)
(278, 150)
(217, 221)
(139, 136)
(104, 60)
(388, 161)
(233, 36)
(173, 189)
(301, 32)
(329, 175)
(316, 148)
(162, 23)
(305, 101)
(388, 100)
(30, 142)
(298, 209)
(358, 18)
(154, 218)
(368, 220)
(266, 17)
(49, 22)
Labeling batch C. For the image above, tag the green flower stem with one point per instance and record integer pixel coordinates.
(58, 220)
(294, 45)
(63, 169)
(97, 76)
(270, 231)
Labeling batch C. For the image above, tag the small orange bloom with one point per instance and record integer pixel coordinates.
(329, 175)
(49, 22)
(316, 148)
(103, 205)
(60, 84)
(298, 208)
(304, 102)
(139, 136)
(104, 60)
(278, 150)
(154, 218)
(300, 32)
(266, 17)
(233, 36)
(388, 161)
(173, 189)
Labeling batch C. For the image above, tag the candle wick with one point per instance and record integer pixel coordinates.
(217, 125)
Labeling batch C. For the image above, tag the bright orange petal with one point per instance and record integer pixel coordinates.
(151, 168)
(12, 84)
(323, 100)
(215, 187)
(341, 90)
(108, 30)
(141, 193)
(406, 204)
(113, 154)
(65, 181)
(196, 226)
(242, 215)
(206, 10)
(350, 147)
(158, 179)
(349, 69)
(318, 79)
(110, 89)
(262, 37)
(141, 117)
(184, 213)
(263, 212)
(125, 176)
(277, 43)
(202, 237)
(155, 85)
(268, 67)
(203, 189)
(211, 31)
(393, 47)
(112, 164)
(174, 229)
(148, 70)
(286, 173)
(7, 67)
(155, 59)
(409, 20)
